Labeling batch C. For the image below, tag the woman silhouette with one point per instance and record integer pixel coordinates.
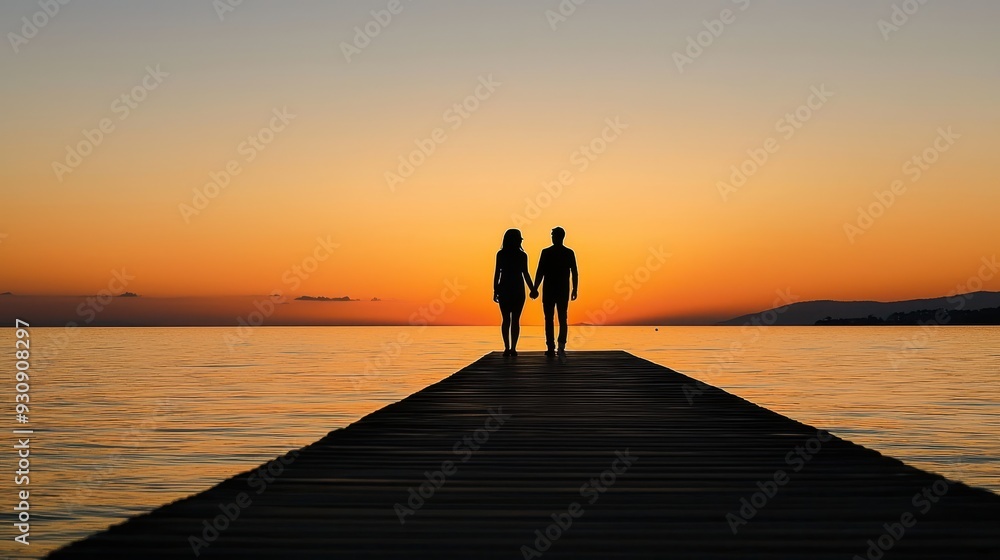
(509, 278)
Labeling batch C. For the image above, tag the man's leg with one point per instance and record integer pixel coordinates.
(563, 308)
(549, 309)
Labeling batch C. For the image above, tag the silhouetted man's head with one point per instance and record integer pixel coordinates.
(558, 235)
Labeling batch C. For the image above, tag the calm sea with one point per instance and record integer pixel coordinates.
(129, 419)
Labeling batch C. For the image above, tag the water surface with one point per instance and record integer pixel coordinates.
(129, 419)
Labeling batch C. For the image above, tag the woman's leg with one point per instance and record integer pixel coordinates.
(505, 328)
(515, 324)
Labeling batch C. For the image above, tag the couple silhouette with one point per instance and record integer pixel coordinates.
(556, 266)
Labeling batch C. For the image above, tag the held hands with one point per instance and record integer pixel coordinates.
(534, 293)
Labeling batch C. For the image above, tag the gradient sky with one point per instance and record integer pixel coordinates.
(656, 185)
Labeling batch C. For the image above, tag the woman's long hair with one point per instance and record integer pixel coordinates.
(512, 240)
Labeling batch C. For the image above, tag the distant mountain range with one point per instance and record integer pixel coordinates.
(866, 312)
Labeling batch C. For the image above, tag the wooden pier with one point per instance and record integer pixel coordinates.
(604, 456)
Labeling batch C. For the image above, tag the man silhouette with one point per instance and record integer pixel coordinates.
(555, 267)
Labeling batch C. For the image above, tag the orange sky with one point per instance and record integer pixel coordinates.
(319, 172)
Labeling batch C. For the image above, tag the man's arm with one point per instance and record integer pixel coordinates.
(576, 275)
(539, 272)
(539, 275)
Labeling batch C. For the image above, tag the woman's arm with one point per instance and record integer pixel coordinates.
(525, 273)
(496, 279)
(539, 273)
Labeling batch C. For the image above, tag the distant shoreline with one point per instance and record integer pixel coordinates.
(133, 310)
(923, 317)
